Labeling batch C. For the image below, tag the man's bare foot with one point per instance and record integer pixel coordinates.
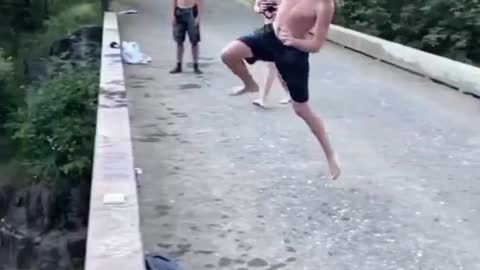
(334, 165)
(240, 90)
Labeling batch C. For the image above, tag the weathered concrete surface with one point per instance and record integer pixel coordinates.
(114, 240)
(227, 184)
(462, 76)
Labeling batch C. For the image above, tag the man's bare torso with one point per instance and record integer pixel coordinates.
(186, 3)
(298, 16)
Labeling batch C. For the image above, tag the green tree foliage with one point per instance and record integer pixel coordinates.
(56, 132)
(450, 28)
(19, 17)
(27, 29)
(63, 23)
(6, 96)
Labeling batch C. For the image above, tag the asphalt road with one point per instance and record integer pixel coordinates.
(226, 185)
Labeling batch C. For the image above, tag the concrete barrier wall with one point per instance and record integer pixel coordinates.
(464, 77)
(114, 240)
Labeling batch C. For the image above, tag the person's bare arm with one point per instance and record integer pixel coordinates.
(174, 7)
(313, 43)
(200, 10)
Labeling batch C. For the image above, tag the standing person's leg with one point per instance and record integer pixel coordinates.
(286, 99)
(271, 74)
(294, 69)
(179, 35)
(194, 37)
(195, 56)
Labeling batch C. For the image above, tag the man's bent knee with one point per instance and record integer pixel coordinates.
(229, 56)
(236, 51)
(302, 109)
(226, 57)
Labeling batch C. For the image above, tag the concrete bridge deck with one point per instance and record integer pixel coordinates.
(226, 185)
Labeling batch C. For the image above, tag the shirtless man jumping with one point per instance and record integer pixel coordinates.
(186, 19)
(288, 44)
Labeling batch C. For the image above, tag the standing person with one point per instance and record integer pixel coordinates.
(186, 16)
(288, 44)
(268, 8)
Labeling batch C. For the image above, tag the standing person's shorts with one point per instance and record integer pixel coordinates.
(185, 24)
(292, 63)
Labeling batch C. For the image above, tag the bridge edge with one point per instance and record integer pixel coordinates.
(114, 239)
(460, 76)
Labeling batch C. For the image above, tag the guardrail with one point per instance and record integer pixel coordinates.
(114, 240)
(460, 76)
(463, 77)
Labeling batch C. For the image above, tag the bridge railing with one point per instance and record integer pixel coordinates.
(114, 240)
(463, 77)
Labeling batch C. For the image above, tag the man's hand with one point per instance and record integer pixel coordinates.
(262, 7)
(200, 12)
(286, 38)
(174, 11)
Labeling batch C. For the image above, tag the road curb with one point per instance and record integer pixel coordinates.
(457, 75)
(114, 240)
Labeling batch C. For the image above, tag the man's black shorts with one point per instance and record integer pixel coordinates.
(185, 24)
(292, 63)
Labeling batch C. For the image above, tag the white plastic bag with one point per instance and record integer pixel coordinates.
(126, 12)
(132, 54)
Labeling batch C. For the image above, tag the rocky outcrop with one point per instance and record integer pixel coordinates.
(43, 228)
(81, 48)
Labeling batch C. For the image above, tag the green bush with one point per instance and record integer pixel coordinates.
(56, 132)
(450, 28)
(57, 6)
(60, 25)
(53, 136)
(5, 69)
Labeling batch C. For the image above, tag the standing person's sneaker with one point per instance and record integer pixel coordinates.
(285, 100)
(259, 102)
(177, 69)
(196, 69)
